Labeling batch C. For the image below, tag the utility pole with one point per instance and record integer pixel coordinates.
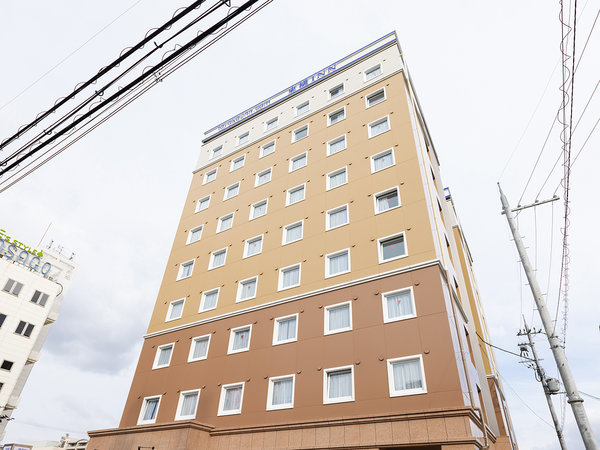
(550, 385)
(574, 399)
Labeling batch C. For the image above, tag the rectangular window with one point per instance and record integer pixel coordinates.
(301, 109)
(406, 376)
(267, 149)
(337, 178)
(336, 116)
(263, 177)
(375, 98)
(338, 318)
(12, 287)
(337, 217)
(382, 160)
(336, 145)
(209, 300)
(185, 270)
(295, 195)
(231, 191)
(231, 399)
(372, 72)
(300, 133)
(258, 209)
(24, 329)
(386, 200)
(39, 298)
(2, 319)
(271, 124)
(337, 90)
(281, 392)
(237, 163)
(398, 305)
(239, 339)
(297, 162)
(337, 263)
(188, 402)
(379, 126)
(216, 151)
(175, 309)
(285, 329)
(194, 235)
(217, 258)
(149, 410)
(6, 365)
(243, 138)
(199, 348)
(391, 247)
(225, 223)
(253, 246)
(247, 289)
(163, 356)
(292, 233)
(289, 277)
(338, 385)
(203, 204)
(210, 176)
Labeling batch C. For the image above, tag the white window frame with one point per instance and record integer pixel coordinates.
(301, 105)
(262, 172)
(180, 271)
(143, 410)
(294, 158)
(283, 241)
(280, 286)
(326, 309)
(374, 93)
(290, 190)
(374, 122)
(326, 399)
(220, 222)
(178, 415)
(373, 157)
(157, 355)
(230, 350)
(222, 399)
(336, 87)
(384, 192)
(343, 109)
(333, 173)
(191, 232)
(386, 318)
(335, 140)
(207, 174)
(202, 300)
(238, 184)
(267, 122)
(211, 260)
(276, 329)
(193, 344)
(241, 136)
(372, 69)
(170, 310)
(238, 297)
(329, 255)
(272, 380)
(385, 238)
(262, 148)
(334, 210)
(252, 207)
(307, 126)
(218, 148)
(393, 391)
(235, 160)
(246, 246)
(199, 202)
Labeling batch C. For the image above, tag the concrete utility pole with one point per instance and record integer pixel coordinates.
(574, 399)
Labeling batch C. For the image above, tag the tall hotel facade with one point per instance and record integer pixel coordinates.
(319, 292)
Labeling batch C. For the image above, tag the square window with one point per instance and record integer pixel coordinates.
(406, 376)
(185, 270)
(336, 145)
(382, 160)
(237, 163)
(6, 365)
(231, 191)
(175, 309)
(263, 177)
(271, 124)
(338, 385)
(163, 356)
(194, 235)
(188, 402)
(231, 399)
(337, 178)
(398, 305)
(217, 258)
(386, 200)
(239, 339)
(372, 72)
(149, 410)
(281, 392)
(199, 348)
(338, 318)
(203, 204)
(391, 247)
(289, 277)
(13, 287)
(292, 233)
(295, 195)
(243, 138)
(209, 300)
(39, 298)
(258, 209)
(375, 98)
(253, 246)
(337, 217)
(216, 151)
(247, 289)
(337, 263)
(24, 329)
(336, 116)
(379, 126)
(298, 161)
(302, 108)
(225, 223)
(300, 133)
(267, 149)
(285, 329)
(337, 90)
(210, 176)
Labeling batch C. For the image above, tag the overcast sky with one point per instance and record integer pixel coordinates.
(115, 198)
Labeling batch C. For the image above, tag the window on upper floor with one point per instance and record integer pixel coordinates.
(295, 195)
(406, 376)
(263, 177)
(285, 329)
(216, 151)
(194, 235)
(231, 191)
(186, 407)
(267, 149)
(225, 222)
(375, 98)
(280, 394)
(337, 178)
(337, 217)
(386, 200)
(253, 246)
(298, 161)
(175, 310)
(185, 270)
(237, 163)
(338, 318)
(379, 126)
(247, 289)
(163, 356)
(292, 233)
(243, 138)
(209, 300)
(230, 401)
(338, 385)
(39, 298)
(382, 160)
(336, 116)
(24, 328)
(391, 247)
(372, 72)
(337, 90)
(336, 145)
(209, 176)
(6, 365)
(203, 203)
(12, 287)
(300, 133)
(258, 209)
(337, 263)
(149, 410)
(271, 124)
(398, 305)
(302, 108)
(199, 348)
(217, 258)
(289, 277)
(239, 339)
(2, 319)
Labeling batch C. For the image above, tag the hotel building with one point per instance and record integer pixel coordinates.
(319, 292)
